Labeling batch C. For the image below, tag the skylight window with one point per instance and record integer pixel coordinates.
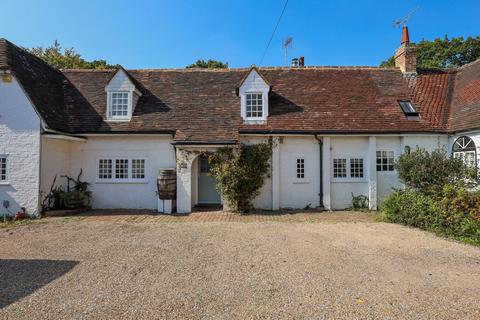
(408, 108)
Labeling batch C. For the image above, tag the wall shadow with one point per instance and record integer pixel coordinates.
(19, 278)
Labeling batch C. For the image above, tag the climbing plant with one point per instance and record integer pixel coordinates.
(240, 172)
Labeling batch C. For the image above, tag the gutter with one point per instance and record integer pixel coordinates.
(320, 147)
(333, 132)
(203, 143)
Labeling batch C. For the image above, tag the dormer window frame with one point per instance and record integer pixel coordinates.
(110, 98)
(257, 93)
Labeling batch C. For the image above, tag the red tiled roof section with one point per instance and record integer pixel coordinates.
(340, 100)
(465, 113)
(429, 92)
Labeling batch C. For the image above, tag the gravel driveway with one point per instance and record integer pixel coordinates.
(235, 270)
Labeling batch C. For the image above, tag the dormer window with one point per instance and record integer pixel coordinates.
(253, 92)
(254, 105)
(122, 96)
(119, 105)
(408, 108)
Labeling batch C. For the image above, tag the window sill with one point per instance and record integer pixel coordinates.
(4, 183)
(301, 182)
(118, 120)
(349, 180)
(123, 181)
(254, 121)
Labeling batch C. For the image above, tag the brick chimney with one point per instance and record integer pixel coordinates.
(406, 55)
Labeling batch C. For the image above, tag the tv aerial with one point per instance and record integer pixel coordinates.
(286, 44)
(397, 23)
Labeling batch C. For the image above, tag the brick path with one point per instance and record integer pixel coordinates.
(221, 216)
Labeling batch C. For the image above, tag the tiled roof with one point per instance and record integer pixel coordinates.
(43, 84)
(202, 105)
(465, 111)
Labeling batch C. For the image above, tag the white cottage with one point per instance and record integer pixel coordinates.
(338, 129)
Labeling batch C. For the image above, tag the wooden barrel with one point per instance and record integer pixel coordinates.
(167, 184)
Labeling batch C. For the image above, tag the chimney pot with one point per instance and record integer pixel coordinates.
(301, 62)
(405, 37)
(294, 62)
(406, 55)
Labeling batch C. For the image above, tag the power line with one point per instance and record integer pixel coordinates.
(273, 33)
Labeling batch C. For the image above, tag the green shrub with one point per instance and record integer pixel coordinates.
(429, 172)
(240, 172)
(411, 208)
(456, 212)
(359, 202)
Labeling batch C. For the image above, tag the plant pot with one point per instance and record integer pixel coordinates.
(20, 216)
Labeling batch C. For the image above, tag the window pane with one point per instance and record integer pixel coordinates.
(356, 168)
(3, 168)
(339, 168)
(105, 169)
(138, 169)
(385, 160)
(121, 169)
(300, 168)
(119, 104)
(254, 105)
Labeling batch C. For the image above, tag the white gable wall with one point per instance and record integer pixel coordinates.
(120, 82)
(20, 141)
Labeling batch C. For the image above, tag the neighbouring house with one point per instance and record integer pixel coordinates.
(337, 129)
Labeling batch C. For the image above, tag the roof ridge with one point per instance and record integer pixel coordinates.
(239, 69)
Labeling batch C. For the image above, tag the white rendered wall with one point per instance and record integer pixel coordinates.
(388, 180)
(20, 141)
(157, 152)
(264, 199)
(299, 193)
(55, 161)
(342, 189)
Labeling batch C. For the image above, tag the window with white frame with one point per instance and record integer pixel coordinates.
(356, 168)
(105, 169)
(339, 168)
(3, 169)
(138, 168)
(119, 105)
(344, 168)
(121, 169)
(254, 105)
(300, 168)
(385, 160)
(464, 148)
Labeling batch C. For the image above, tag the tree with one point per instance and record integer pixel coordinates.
(68, 58)
(444, 53)
(210, 64)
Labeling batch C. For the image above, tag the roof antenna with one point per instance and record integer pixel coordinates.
(287, 43)
(397, 23)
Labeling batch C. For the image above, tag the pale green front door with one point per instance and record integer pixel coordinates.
(207, 192)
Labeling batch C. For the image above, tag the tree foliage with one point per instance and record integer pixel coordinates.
(240, 172)
(67, 58)
(444, 53)
(210, 64)
(429, 172)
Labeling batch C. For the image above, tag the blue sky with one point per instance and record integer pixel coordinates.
(174, 33)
